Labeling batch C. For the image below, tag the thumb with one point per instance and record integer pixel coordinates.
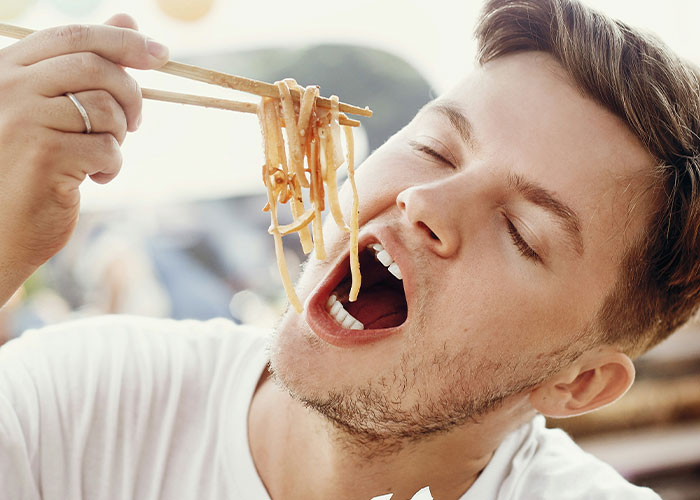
(122, 21)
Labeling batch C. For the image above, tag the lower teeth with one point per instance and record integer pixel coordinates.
(341, 316)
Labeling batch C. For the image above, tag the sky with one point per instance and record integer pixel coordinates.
(184, 153)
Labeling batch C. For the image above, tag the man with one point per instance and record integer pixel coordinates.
(542, 216)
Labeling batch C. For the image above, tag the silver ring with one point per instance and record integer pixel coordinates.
(81, 110)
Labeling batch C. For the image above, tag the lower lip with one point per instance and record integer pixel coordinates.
(328, 329)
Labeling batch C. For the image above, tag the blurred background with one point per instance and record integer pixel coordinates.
(180, 232)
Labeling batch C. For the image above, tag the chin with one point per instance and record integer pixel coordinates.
(313, 356)
(392, 392)
(296, 354)
(307, 366)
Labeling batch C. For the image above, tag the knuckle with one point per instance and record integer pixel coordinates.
(133, 44)
(105, 143)
(89, 63)
(136, 100)
(129, 88)
(75, 35)
(133, 86)
(110, 148)
(104, 102)
(119, 127)
(112, 161)
(123, 39)
(121, 131)
(119, 118)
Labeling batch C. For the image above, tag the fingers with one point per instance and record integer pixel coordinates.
(104, 112)
(122, 21)
(79, 155)
(122, 46)
(86, 71)
(36, 73)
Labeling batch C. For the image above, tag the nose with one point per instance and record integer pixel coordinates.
(430, 215)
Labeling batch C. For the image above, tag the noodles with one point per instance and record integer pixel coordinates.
(354, 221)
(310, 160)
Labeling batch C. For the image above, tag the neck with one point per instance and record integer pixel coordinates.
(300, 454)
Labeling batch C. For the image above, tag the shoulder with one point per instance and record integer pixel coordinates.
(78, 388)
(121, 363)
(129, 324)
(549, 464)
(113, 332)
(86, 354)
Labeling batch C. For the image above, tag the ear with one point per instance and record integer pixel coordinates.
(597, 378)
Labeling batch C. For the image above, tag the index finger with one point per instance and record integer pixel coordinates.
(122, 46)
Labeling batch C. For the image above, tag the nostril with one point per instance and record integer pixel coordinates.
(424, 226)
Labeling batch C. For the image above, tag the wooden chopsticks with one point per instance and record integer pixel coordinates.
(212, 77)
(14, 31)
(248, 85)
(213, 102)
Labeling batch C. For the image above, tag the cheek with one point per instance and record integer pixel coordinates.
(488, 306)
(375, 189)
(526, 316)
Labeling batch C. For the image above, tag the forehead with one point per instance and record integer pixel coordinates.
(528, 115)
(527, 102)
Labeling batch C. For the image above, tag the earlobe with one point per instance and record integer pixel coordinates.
(596, 379)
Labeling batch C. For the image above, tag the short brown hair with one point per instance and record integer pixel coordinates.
(634, 75)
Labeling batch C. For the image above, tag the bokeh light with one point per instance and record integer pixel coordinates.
(76, 7)
(9, 9)
(186, 10)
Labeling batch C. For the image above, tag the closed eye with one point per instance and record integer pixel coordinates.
(522, 246)
(425, 149)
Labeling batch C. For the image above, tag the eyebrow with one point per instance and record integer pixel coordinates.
(532, 192)
(458, 120)
(541, 197)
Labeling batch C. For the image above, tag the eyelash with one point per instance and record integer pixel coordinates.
(417, 146)
(522, 246)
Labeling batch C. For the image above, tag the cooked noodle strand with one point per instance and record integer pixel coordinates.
(308, 160)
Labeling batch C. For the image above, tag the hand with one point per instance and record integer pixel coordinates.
(44, 154)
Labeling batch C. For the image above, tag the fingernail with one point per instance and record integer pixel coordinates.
(157, 50)
(138, 121)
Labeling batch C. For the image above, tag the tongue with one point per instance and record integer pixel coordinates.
(379, 307)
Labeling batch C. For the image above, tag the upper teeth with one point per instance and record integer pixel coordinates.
(386, 259)
(336, 309)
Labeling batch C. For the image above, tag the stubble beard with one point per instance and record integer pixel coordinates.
(420, 397)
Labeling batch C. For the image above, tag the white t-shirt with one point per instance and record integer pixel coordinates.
(134, 408)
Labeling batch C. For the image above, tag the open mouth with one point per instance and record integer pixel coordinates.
(380, 306)
(381, 302)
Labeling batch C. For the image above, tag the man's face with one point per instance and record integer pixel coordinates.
(507, 204)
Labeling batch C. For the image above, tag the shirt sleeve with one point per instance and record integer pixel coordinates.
(39, 397)
(18, 478)
(114, 407)
(69, 394)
